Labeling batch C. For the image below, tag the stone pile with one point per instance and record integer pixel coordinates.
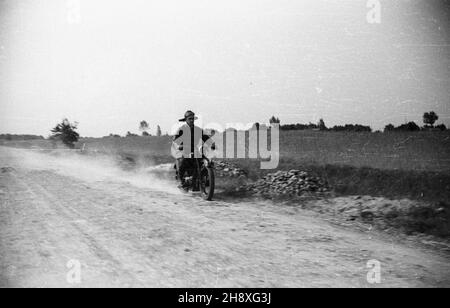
(289, 183)
(228, 169)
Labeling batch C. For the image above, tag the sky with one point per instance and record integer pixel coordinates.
(109, 64)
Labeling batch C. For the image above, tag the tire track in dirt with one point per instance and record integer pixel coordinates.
(26, 216)
(73, 217)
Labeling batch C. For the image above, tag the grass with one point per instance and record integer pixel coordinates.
(419, 151)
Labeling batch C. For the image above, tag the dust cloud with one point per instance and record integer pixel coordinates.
(95, 167)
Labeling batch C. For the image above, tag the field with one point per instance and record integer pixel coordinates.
(419, 151)
(394, 165)
(395, 151)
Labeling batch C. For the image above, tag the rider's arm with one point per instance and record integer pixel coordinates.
(209, 141)
(178, 134)
(205, 137)
(177, 140)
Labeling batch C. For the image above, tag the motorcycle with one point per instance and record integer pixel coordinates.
(200, 177)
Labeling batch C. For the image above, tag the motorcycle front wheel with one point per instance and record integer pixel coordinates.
(207, 182)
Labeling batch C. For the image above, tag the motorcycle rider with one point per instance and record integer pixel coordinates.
(186, 143)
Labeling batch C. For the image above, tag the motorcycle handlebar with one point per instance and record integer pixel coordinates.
(213, 147)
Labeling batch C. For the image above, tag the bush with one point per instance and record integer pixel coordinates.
(351, 128)
(407, 127)
(389, 128)
(65, 131)
(441, 127)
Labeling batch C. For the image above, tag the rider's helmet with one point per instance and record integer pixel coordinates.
(188, 114)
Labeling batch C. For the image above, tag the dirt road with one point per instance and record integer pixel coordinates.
(126, 232)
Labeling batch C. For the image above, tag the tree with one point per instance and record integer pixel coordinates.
(65, 131)
(389, 128)
(158, 131)
(321, 125)
(410, 126)
(143, 126)
(145, 134)
(274, 120)
(429, 118)
(130, 134)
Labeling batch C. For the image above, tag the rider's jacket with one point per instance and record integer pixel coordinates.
(191, 139)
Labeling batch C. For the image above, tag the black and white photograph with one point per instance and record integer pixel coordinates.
(223, 149)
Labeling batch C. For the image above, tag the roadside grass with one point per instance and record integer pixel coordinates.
(350, 180)
(434, 220)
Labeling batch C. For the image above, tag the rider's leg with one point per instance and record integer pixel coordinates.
(181, 166)
(196, 164)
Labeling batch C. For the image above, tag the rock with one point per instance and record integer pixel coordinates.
(224, 168)
(7, 169)
(367, 215)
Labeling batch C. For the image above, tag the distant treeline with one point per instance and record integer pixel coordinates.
(410, 127)
(321, 126)
(429, 118)
(19, 137)
(413, 127)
